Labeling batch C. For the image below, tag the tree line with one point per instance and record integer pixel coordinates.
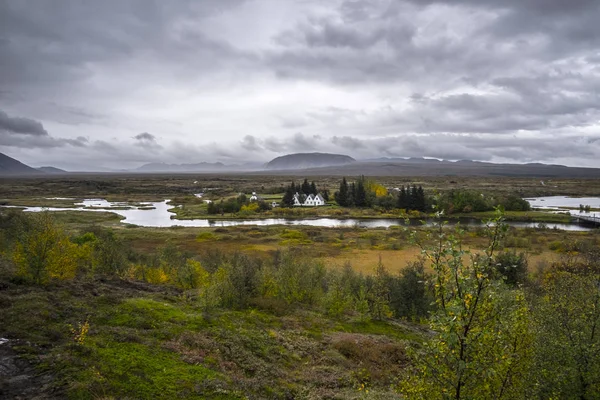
(365, 193)
(412, 198)
(239, 204)
(303, 190)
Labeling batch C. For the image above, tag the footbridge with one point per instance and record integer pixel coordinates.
(588, 219)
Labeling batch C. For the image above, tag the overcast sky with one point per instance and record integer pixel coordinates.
(87, 84)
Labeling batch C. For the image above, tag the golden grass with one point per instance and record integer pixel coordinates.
(365, 261)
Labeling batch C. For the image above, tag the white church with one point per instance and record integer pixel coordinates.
(310, 201)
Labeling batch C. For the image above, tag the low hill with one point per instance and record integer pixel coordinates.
(10, 166)
(308, 160)
(51, 170)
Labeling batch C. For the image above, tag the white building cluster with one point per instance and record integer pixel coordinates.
(310, 200)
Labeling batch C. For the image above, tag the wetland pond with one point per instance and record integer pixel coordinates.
(157, 214)
(564, 204)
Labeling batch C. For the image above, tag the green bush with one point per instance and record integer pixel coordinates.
(511, 266)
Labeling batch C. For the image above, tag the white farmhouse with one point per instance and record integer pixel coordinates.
(254, 197)
(297, 199)
(310, 201)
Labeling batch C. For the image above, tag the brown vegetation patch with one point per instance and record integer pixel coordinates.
(373, 358)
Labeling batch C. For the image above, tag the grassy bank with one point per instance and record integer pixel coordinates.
(153, 342)
(520, 216)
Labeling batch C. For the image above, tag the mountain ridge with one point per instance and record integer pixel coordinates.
(51, 170)
(308, 160)
(447, 168)
(11, 166)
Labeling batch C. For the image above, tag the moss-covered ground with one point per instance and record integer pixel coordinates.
(153, 342)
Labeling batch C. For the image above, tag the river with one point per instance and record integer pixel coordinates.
(157, 214)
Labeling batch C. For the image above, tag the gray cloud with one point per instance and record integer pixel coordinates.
(145, 137)
(250, 143)
(147, 141)
(347, 142)
(301, 142)
(484, 79)
(28, 133)
(274, 145)
(24, 126)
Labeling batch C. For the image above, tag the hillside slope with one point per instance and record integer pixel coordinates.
(144, 341)
(308, 160)
(51, 170)
(10, 166)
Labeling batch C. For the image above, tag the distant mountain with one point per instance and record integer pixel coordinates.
(402, 160)
(199, 167)
(10, 166)
(429, 167)
(308, 160)
(51, 170)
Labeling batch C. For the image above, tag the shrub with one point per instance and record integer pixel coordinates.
(511, 266)
(44, 251)
(409, 294)
(109, 254)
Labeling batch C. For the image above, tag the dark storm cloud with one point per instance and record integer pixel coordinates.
(28, 133)
(24, 126)
(31, 142)
(145, 137)
(375, 47)
(386, 43)
(147, 141)
(43, 44)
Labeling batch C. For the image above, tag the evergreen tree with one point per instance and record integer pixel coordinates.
(341, 197)
(402, 200)
(408, 200)
(414, 198)
(421, 202)
(313, 188)
(306, 187)
(212, 208)
(288, 197)
(360, 195)
(352, 195)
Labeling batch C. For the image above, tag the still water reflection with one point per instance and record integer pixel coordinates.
(157, 214)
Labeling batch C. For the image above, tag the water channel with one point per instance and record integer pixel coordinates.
(157, 214)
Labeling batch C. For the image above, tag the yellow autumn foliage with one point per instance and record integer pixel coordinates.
(374, 187)
(45, 252)
(156, 275)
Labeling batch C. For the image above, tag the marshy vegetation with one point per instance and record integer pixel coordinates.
(265, 313)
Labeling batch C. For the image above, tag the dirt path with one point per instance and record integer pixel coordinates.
(19, 379)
